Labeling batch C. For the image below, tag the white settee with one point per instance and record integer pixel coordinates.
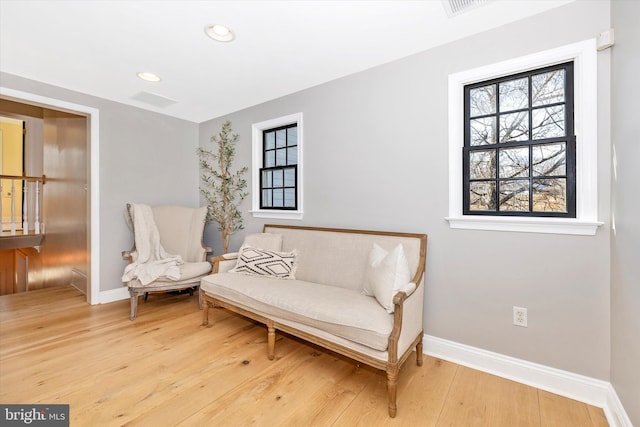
(327, 302)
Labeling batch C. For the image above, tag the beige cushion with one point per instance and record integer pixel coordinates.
(339, 258)
(190, 272)
(266, 241)
(261, 262)
(342, 312)
(386, 273)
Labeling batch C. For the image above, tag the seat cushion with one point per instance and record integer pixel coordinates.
(342, 312)
(190, 274)
(189, 270)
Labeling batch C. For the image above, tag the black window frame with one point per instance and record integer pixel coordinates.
(569, 139)
(271, 169)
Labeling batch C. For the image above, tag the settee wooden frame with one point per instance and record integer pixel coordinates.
(394, 362)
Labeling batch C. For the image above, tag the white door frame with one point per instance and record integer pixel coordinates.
(93, 275)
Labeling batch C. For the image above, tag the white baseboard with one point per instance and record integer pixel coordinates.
(574, 386)
(113, 295)
(616, 415)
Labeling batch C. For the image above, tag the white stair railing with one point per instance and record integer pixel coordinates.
(13, 207)
(26, 206)
(25, 216)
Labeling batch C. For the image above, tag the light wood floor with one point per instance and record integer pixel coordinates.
(164, 369)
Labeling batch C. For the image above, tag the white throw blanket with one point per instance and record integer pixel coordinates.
(152, 261)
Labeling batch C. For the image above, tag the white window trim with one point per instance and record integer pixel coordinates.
(256, 130)
(586, 222)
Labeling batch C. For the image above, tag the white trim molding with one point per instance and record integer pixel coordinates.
(584, 55)
(93, 115)
(574, 386)
(113, 295)
(256, 164)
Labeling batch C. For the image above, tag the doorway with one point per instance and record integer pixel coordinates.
(56, 145)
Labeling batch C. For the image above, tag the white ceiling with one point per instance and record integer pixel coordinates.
(97, 47)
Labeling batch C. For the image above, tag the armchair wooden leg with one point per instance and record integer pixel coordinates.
(271, 340)
(134, 304)
(392, 386)
(419, 353)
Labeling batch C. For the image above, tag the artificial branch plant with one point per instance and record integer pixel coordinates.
(223, 189)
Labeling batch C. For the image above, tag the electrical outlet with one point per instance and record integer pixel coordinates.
(520, 316)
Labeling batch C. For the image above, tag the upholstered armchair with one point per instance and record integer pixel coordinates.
(167, 244)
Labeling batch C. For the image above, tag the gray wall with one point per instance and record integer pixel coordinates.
(625, 241)
(375, 157)
(145, 157)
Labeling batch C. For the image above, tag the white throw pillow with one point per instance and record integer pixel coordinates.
(386, 273)
(259, 262)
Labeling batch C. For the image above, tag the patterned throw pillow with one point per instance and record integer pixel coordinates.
(261, 262)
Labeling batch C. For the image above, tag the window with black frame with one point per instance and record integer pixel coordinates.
(279, 174)
(519, 145)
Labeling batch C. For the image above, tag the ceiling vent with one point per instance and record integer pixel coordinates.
(153, 99)
(456, 7)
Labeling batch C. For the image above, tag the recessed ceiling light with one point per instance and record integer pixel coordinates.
(219, 32)
(149, 77)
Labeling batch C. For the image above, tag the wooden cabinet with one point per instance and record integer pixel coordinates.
(20, 270)
(6, 272)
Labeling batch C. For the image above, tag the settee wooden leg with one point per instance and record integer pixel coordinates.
(200, 297)
(271, 340)
(205, 315)
(392, 386)
(419, 353)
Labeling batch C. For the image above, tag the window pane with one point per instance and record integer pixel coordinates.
(277, 178)
(289, 197)
(514, 195)
(548, 122)
(547, 88)
(550, 195)
(482, 100)
(514, 162)
(517, 134)
(514, 94)
(289, 177)
(482, 164)
(267, 179)
(278, 198)
(482, 196)
(514, 127)
(281, 157)
(549, 159)
(483, 131)
(292, 156)
(267, 201)
(269, 159)
(269, 140)
(281, 138)
(292, 136)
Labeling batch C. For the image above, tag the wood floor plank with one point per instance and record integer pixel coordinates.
(558, 411)
(480, 399)
(165, 368)
(421, 395)
(598, 418)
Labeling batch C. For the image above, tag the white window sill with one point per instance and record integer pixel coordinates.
(277, 214)
(526, 225)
